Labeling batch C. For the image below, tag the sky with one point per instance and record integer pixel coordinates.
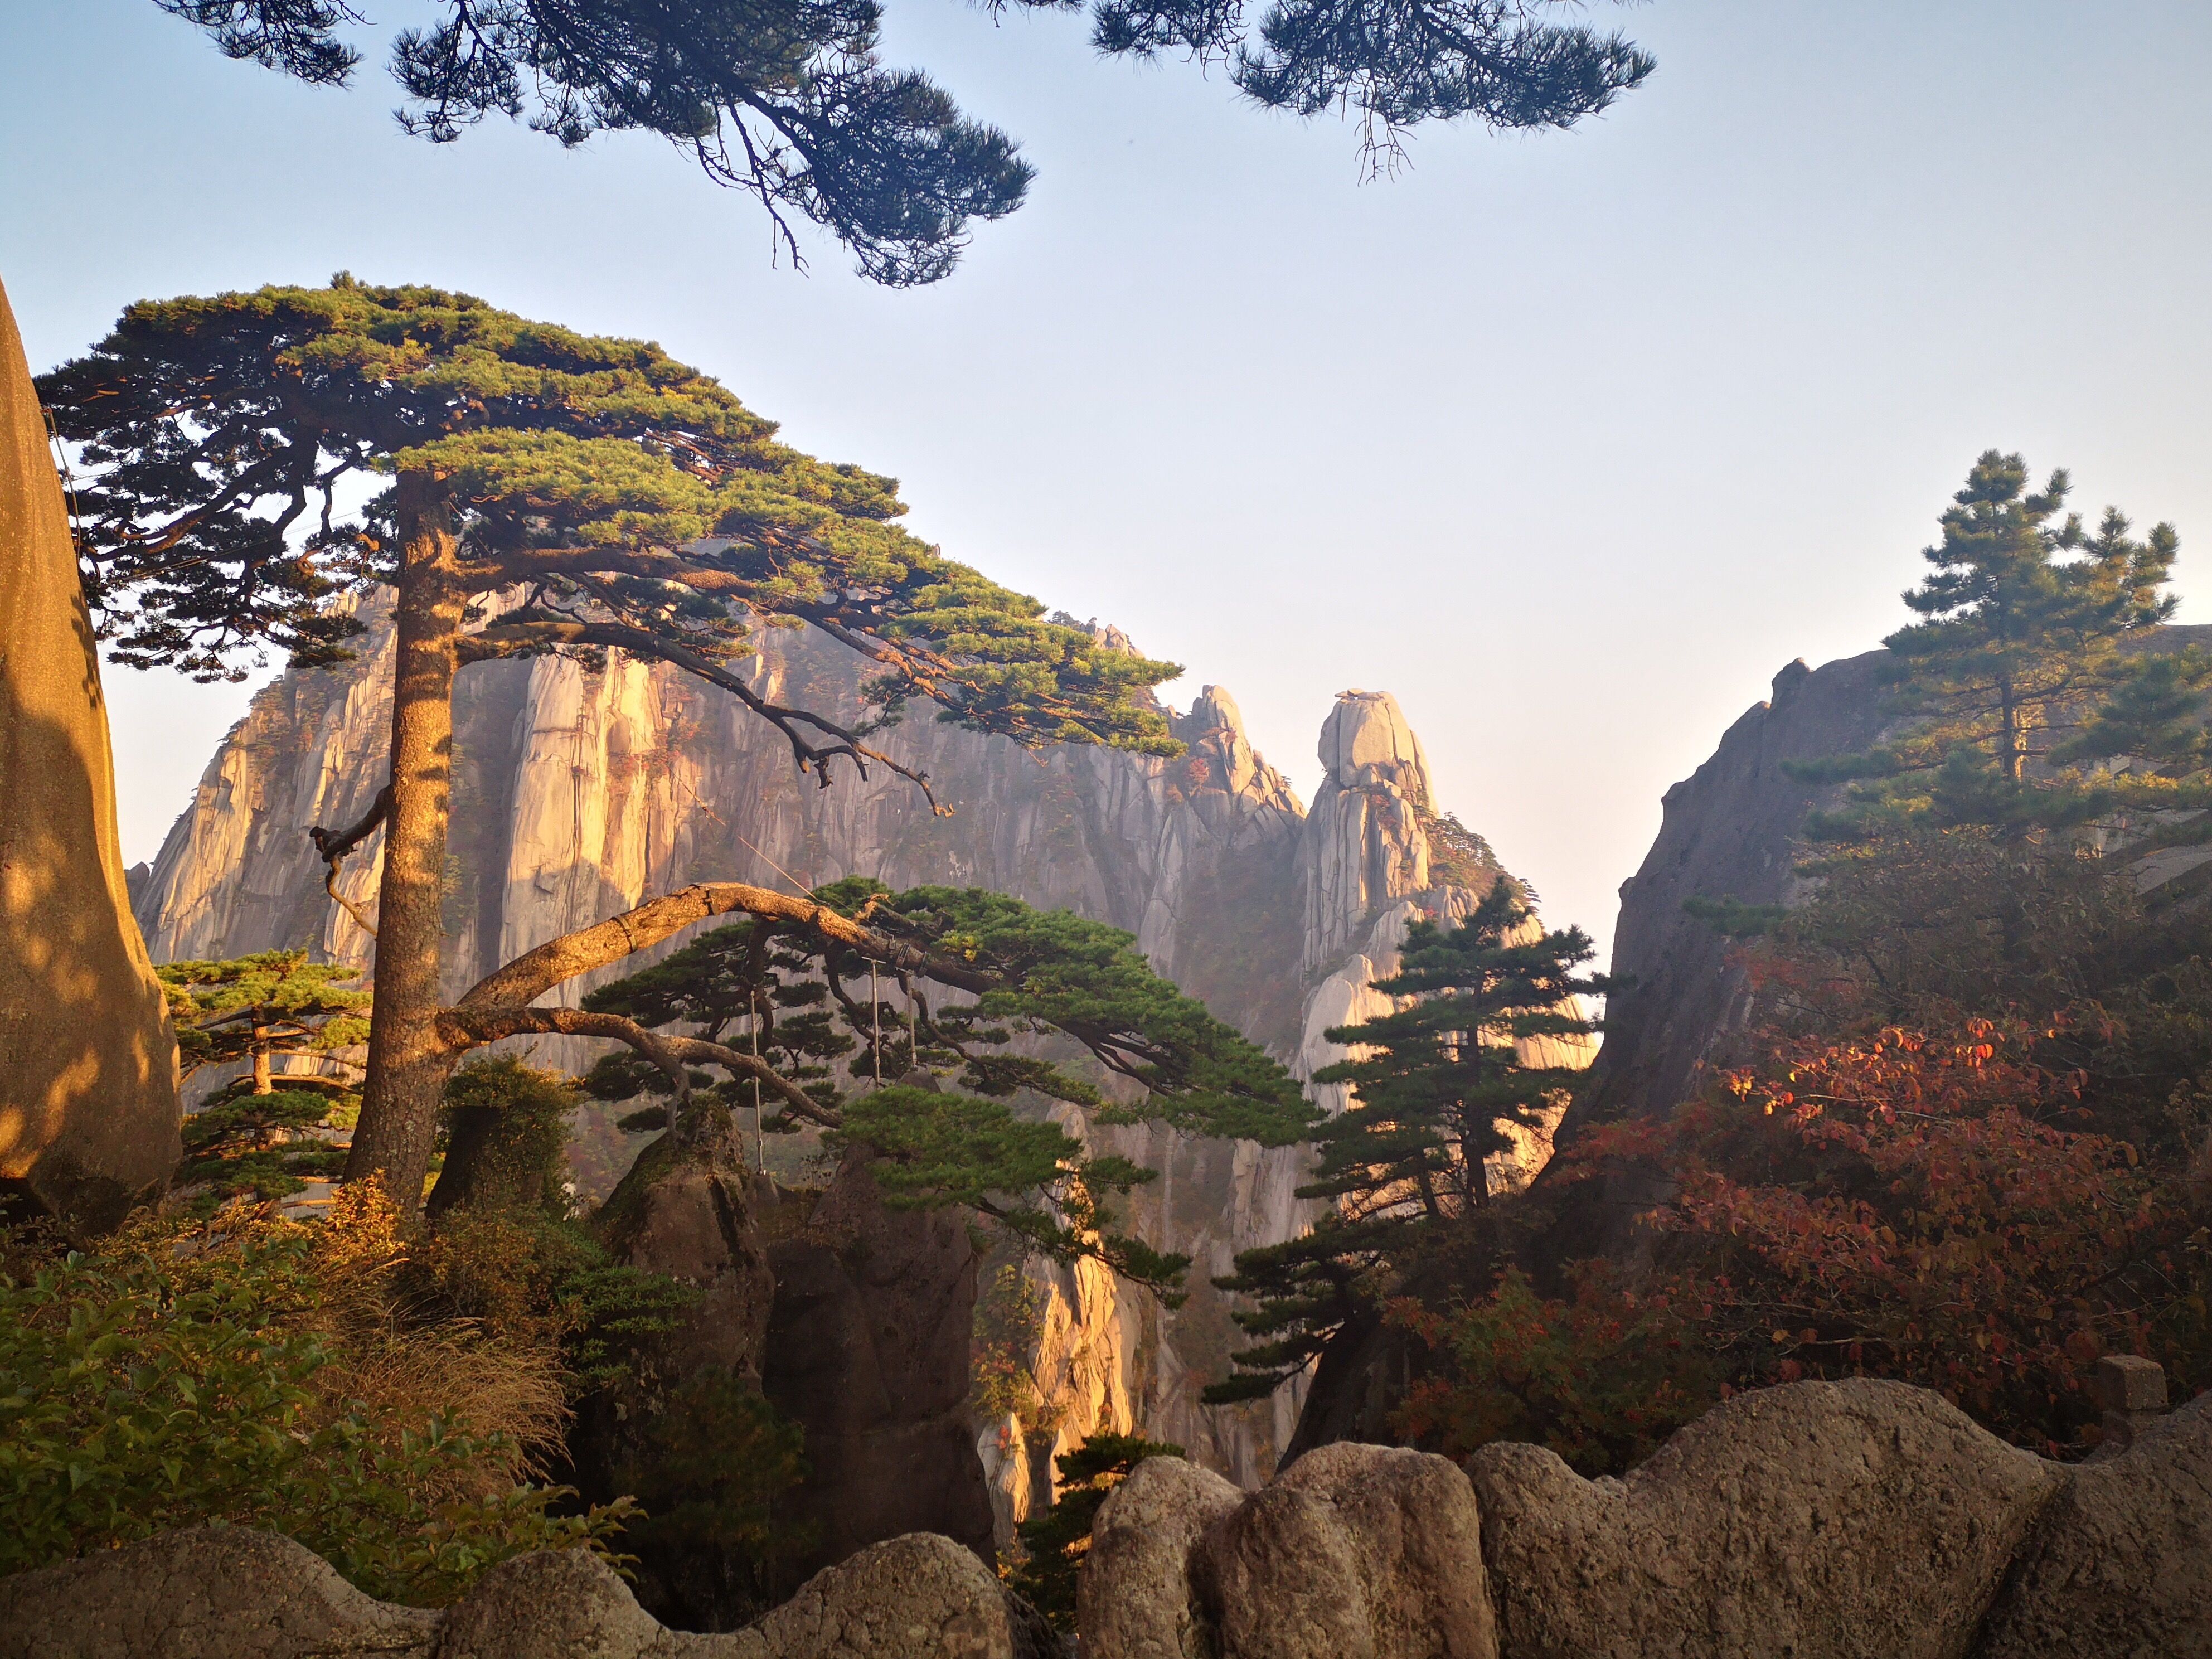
(1569, 440)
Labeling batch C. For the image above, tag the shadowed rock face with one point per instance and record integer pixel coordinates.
(1727, 832)
(1730, 830)
(686, 1211)
(88, 1063)
(867, 1348)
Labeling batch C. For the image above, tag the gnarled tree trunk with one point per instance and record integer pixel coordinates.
(409, 1063)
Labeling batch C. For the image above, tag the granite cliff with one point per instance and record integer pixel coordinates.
(579, 792)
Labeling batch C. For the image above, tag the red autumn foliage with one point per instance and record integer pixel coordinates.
(1601, 1378)
(1913, 1205)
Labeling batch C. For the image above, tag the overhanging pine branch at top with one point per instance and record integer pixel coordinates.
(789, 102)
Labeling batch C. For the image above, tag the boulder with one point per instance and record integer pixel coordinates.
(2122, 1563)
(1133, 1599)
(567, 1604)
(686, 1209)
(915, 1597)
(1355, 1553)
(207, 1593)
(867, 1348)
(227, 1593)
(88, 1116)
(1857, 1518)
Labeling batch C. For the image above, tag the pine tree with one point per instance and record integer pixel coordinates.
(911, 1066)
(1438, 1086)
(614, 498)
(2026, 625)
(258, 1134)
(789, 102)
(262, 1008)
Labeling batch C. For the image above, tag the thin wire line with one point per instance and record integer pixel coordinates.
(805, 891)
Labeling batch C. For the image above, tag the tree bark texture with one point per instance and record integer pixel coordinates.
(408, 1061)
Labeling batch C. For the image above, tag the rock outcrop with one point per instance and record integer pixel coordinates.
(1355, 1553)
(1819, 1518)
(1865, 1519)
(1135, 1597)
(208, 1593)
(226, 1593)
(867, 1348)
(686, 1210)
(578, 794)
(88, 1062)
(1730, 830)
(2123, 1559)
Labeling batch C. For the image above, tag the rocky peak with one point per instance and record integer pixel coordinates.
(1367, 743)
(1222, 757)
(1364, 844)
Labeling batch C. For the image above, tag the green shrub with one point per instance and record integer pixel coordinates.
(505, 1135)
(714, 1468)
(175, 1378)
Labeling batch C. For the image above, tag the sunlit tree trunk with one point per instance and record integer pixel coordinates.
(408, 1064)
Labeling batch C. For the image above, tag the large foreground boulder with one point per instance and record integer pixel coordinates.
(1134, 1598)
(2121, 1567)
(208, 1593)
(88, 1120)
(225, 1593)
(1856, 1518)
(1355, 1553)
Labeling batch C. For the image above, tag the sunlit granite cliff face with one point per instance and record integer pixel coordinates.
(579, 793)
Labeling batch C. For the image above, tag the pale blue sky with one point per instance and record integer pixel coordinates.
(1571, 442)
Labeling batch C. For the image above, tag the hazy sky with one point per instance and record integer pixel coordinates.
(1569, 440)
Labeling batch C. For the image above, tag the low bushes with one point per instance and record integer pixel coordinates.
(254, 1371)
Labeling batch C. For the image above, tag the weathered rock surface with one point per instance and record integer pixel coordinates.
(867, 1349)
(88, 1062)
(685, 1210)
(1135, 1598)
(1728, 832)
(576, 794)
(1355, 1553)
(226, 1593)
(208, 1593)
(907, 1596)
(1854, 1518)
(2121, 1567)
(563, 1604)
